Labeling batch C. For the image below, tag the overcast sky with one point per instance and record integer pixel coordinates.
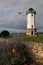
(12, 21)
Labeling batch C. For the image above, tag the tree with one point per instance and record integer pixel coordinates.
(4, 33)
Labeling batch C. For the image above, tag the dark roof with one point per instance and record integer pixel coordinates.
(30, 10)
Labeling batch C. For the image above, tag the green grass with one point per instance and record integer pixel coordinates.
(37, 38)
(23, 37)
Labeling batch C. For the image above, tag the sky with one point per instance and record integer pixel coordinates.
(11, 20)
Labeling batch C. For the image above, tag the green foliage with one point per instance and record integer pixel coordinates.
(19, 58)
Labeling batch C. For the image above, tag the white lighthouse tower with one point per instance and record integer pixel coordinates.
(31, 26)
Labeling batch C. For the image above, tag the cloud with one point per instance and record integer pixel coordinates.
(9, 17)
(12, 30)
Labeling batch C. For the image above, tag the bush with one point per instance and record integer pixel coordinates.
(4, 33)
(16, 54)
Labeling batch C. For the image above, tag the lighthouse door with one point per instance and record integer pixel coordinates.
(32, 33)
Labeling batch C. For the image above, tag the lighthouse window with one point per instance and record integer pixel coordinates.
(31, 14)
(32, 26)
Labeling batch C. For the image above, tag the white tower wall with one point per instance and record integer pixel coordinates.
(30, 20)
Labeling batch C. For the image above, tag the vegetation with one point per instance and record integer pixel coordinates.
(4, 33)
(15, 54)
(37, 38)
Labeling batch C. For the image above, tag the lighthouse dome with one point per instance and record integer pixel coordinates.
(30, 10)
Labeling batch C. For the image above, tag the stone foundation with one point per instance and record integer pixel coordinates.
(31, 32)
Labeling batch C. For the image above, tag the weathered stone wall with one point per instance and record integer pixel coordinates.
(37, 51)
(29, 31)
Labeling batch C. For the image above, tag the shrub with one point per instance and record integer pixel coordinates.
(4, 33)
(16, 54)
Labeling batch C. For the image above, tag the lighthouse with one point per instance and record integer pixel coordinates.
(31, 23)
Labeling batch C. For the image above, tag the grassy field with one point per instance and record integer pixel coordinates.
(24, 38)
(37, 38)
